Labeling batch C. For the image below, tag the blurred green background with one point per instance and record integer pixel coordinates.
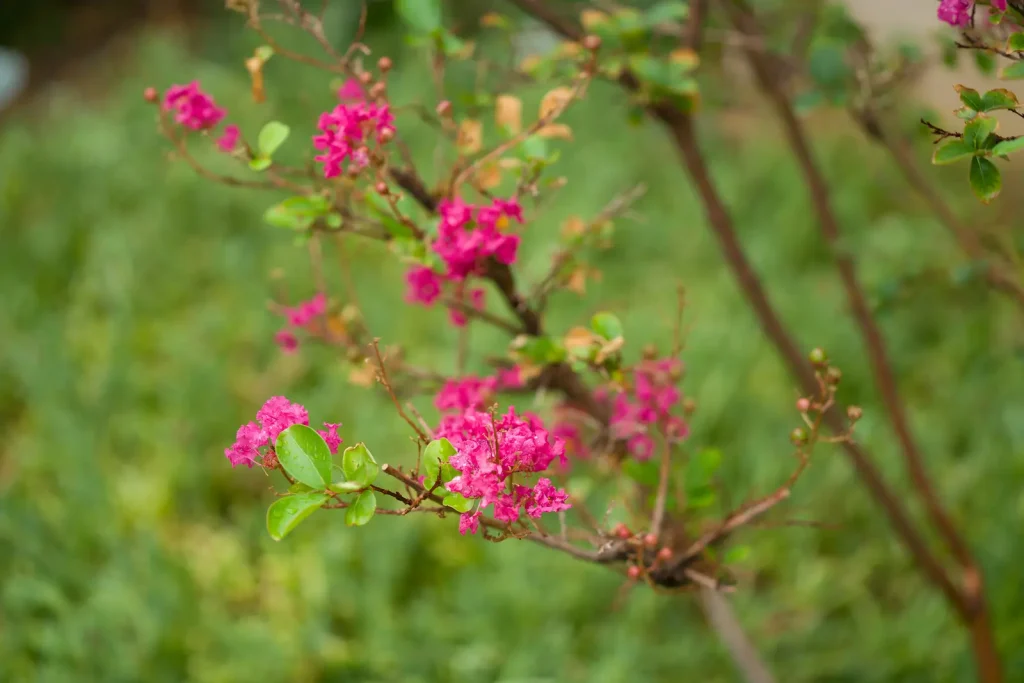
(136, 338)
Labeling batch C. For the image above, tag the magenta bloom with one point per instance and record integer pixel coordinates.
(636, 415)
(469, 234)
(510, 378)
(307, 311)
(256, 438)
(351, 91)
(344, 133)
(486, 473)
(958, 12)
(287, 340)
(423, 286)
(229, 138)
(468, 393)
(194, 108)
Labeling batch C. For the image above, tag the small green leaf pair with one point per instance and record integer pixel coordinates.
(271, 136)
(306, 458)
(437, 470)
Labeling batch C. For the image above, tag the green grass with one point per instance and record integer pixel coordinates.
(136, 339)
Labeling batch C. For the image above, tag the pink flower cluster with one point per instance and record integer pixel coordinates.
(278, 414)
(467, 235)
(193, 108)
(648, 407)
(958, 12)
(474, 393)
(196, 110)
(491, 455)
(298, 318)
(345, 130)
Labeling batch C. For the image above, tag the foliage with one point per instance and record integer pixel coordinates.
(141, 557)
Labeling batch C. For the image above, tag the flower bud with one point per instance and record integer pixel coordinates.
(650, 540)
(384, 64)
(817, 357)
(622, 531)
(382, 188)
(665, 554)
(365, 77)
(150, 95)
(633, 572)
(798, 436)
(854, 413)
(833, 376)
(592, 43)
(803, 404)
(378, 90)
(386, 135)
(444, 108)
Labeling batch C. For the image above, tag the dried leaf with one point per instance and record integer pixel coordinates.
(493, 20)
(530, 63)
(577, 281)
(471, 136)
(684, 56)
(488, 177)
(554, 101)
(572, 227)
(579, 338)
(255, 67)
(569, 48)
(508, 113)
(609, 349)
(592, 18)
(558, 131)
(363, 376)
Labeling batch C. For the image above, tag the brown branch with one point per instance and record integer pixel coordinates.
(680, 128)
(967, 602)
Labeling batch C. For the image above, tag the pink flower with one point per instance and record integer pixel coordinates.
(469, 523)
(194, 108)
(510, 378)
(463, 246)
(466, 393)
(423, 285)
(490, 459)
(958, 12)
(476, 300)
(330, 434)
(648, 407)
(351, 91)
(276, 415)
(344, 134)
(287, 341)
(307, 311)
(229, 138)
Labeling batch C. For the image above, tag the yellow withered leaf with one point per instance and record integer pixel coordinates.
(577, 281)
(592, 18)
(558, 131)
(493, 20)
(554, 101)
(488, 177)
(508, 113)
(573, 226)
(579, 338)
(684, 56)
(470, 137)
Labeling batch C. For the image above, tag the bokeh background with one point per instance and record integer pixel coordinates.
(136, 337)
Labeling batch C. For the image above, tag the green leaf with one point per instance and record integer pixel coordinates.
(1015, 43)
(260, 163)
(643, 473)
(985, 179)
(950, 151)
(736, 554)
(808, 100)
(299, 487)
(298, 212)
(1004, 147)
(1000, 98)
(827, 65)
(699, 476)
(1012, 72)
(305, 456)
(286, 513)
(666, 12)
(539, 350)
(422, 16)
(264, 52)
(271, 136)
(346, 486)
(435, 462)
(380, 207)
(985, 61)
(664, 77)
(360, 511)
(700, 497)
(606, 325)
(534, 147)
(358, 464)
(976, 132)
(969, 96)
(458, 502)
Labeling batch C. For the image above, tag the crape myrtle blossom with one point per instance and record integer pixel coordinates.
(346, 130)
(958, 12)
(255, 440)
(467, 235)
(299, 317)
(192, 107)
(636, 414)
(474, 393)
(494, 456)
